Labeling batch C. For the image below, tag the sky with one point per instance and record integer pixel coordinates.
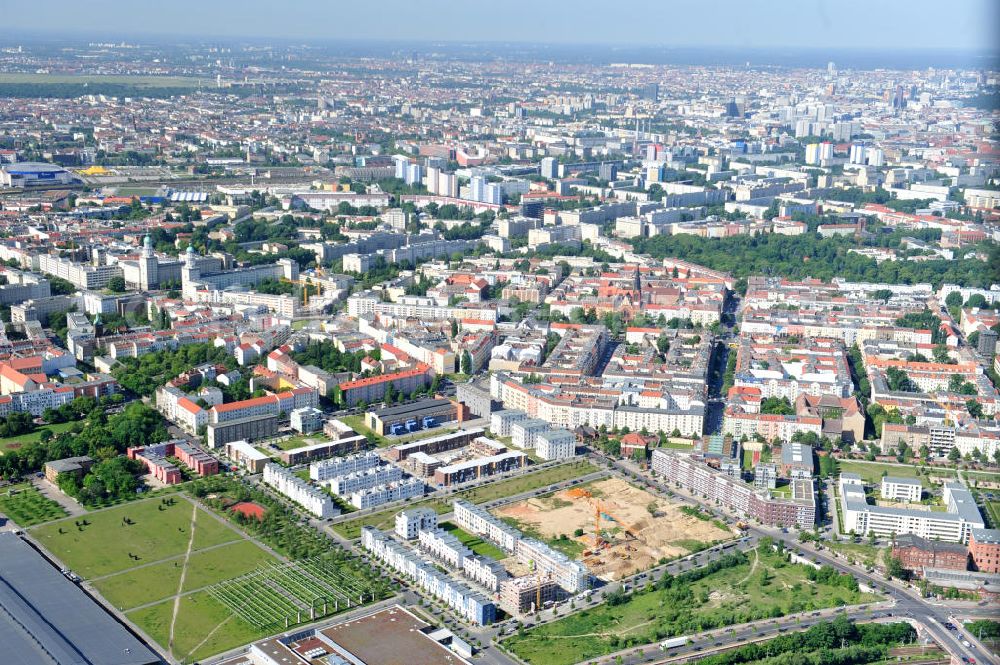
(845, 24)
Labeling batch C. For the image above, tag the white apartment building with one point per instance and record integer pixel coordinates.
(954, 525)
(341, 466)
(299, 491)
(383, 494)
(894, 488)
(555, 444)
(411, 522)
(362, 480)
(501, 421)
(524, 433)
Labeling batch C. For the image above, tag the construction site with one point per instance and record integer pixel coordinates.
(615, 529)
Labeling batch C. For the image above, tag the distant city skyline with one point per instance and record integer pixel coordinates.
(848, 24)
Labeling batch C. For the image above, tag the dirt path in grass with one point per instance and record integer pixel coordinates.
(180, 584)
(209, 636)
(753, 567)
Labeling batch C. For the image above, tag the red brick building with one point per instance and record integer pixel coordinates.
(918, 553)
(984, 546)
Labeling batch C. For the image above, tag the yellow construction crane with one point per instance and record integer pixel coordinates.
(306, 285)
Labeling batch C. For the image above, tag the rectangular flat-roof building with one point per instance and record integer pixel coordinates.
(45, 618)
(894, 488)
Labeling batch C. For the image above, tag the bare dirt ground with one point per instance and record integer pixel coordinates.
(637, 528)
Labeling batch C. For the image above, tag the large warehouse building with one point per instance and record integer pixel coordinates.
(45, 618)
(36, 174)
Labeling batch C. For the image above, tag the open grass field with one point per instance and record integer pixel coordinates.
(204, 626)
(157, 531)
(154, 558)
(161, 580)
(474, 543)
(27, 506)
(523, 483)
(139, 81)
(33, 437)
(764, 585)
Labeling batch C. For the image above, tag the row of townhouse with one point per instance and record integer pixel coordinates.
(954, 525)
(312, 499)
(568, 574)
(449, 550)
(470, 605)
(481, 467)
(407, 488)
(693, 474)
(350, 483)
(341, 466)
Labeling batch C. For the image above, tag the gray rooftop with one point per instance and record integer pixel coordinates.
(986, 536)
(45, 618)
(899, 480)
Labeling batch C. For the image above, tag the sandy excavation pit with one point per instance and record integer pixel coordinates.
(632, 537)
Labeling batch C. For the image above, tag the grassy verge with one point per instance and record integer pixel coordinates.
(993, 513)
(858, 552)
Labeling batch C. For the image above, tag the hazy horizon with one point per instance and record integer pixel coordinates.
(967, 26)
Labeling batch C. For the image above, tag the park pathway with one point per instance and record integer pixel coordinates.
(180, 584)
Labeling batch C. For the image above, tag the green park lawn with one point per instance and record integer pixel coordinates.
(26, 506)
(475, 543)
(204, 626)
(158, 534)
(158, 531)
(140, 586)
(724, 597)
(993, 513)
(33, 437)
(860, 552)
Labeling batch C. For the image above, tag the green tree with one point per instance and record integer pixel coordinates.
(117, 284)
(466, 362)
